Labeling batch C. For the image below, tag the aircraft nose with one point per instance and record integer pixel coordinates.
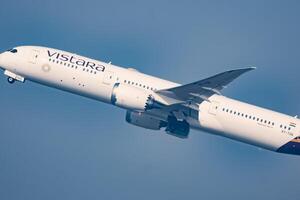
(2, 60)
(1, 55)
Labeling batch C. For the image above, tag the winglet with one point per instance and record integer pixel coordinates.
(244, 69)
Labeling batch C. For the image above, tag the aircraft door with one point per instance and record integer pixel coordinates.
(108, 78)
(34, 55)
(214, 106)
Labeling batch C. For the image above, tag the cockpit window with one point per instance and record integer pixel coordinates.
(12, 50)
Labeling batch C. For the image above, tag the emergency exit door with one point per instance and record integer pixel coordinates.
(108, 78)
(214, 106)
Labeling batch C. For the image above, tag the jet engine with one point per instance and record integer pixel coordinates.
(133, 98)
(177, 128)
(173, 126)
(144, 120)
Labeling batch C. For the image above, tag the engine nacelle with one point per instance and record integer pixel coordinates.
(132, 98)
(144, 120)
(177, 128)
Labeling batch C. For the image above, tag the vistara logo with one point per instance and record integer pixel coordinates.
(77, 61)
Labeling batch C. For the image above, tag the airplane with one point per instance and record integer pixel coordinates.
(155, 103)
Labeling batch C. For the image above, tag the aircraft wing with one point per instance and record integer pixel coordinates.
(201, 90)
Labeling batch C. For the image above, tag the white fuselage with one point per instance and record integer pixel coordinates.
(95, 79)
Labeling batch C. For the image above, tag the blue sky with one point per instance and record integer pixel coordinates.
(55, 145)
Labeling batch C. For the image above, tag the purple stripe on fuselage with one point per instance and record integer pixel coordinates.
(290, 148)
